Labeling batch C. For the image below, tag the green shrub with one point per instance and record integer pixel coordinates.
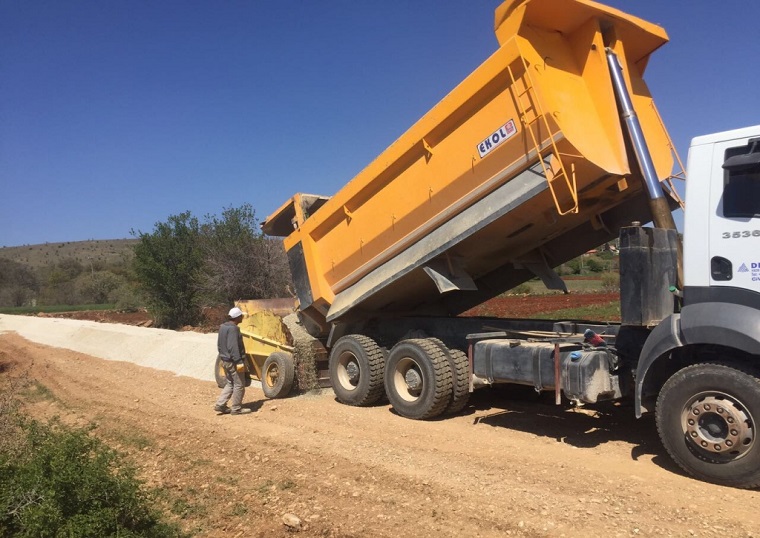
(522, 289)
(66, 483)
(610, 282)
(573, 267)
(594, 265)
(166, 264)
(126, 298)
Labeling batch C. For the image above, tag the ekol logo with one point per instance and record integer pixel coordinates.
(501, 134)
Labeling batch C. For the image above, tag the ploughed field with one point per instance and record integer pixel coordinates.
(508, 306)
(526, 306)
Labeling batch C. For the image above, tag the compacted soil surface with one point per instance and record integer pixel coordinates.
(511, 464)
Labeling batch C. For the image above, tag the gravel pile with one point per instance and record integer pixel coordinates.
(303, 354)
(184, 353)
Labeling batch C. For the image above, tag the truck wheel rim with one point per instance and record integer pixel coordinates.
(718, 427)
(348, 370)
(272, 374)
(407, 380)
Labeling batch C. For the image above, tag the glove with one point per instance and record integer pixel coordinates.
(240, 367)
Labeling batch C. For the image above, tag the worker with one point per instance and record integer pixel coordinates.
(230, 346)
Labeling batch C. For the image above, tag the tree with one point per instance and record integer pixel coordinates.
(167, 263)
(59, 282)
(70, 267)
(95, 288)
(183, 265)
(18, 283)
(238, 261)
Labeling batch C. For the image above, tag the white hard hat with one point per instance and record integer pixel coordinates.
(235, 312)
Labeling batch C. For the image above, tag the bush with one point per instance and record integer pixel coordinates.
(62, 482)
(594, 265)
(18, 283)
(610, 282)
(238, 261)
(573, 267)
(126, 298)
(166, 264)
(96, 287)
(522, 289)
(184, 265)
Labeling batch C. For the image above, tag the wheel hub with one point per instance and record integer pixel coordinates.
(413, 380)
(719, 426)
(272, 375)
(352, 369)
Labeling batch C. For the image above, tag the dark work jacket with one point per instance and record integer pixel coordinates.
(230, 342)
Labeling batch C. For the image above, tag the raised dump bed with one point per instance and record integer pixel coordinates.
(521, 167)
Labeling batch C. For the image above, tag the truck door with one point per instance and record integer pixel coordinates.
(734, 236)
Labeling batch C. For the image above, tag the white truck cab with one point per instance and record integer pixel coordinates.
(722, 220)
(699, 369)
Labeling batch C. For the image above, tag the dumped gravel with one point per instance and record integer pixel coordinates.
(303, 354)
(184, 353)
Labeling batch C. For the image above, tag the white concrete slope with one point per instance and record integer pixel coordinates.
(184, 353)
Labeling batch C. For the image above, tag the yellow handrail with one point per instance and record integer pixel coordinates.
(552, 174)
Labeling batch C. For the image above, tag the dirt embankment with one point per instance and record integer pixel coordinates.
(506, 466)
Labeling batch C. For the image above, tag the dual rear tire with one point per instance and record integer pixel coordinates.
(422, 378)
(418, 379)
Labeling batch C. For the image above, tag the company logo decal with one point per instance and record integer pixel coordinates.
(743, 268)
(499, 136)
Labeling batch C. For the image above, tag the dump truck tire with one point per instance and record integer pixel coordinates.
(707, 420)
(460, 382)
(418, 379)
(277, 375)
(356, 368)
(219, 375)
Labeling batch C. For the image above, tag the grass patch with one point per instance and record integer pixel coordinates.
(268, 486)
(133, 439)
(228, 480)
(185, 509)
(53, 309)
(585, 285)
(200, 462)
(265, 488)
(38, 392)
(602, 312)
(239, 510)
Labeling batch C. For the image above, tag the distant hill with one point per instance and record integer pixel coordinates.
(102, 251)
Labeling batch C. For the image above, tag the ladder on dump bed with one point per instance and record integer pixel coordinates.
(534, 121)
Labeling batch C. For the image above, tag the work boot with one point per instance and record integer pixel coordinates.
(223, 409)
(241, 411)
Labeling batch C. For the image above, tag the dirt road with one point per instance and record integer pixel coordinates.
(504, 467)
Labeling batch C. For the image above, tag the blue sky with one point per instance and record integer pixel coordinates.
(115, 115)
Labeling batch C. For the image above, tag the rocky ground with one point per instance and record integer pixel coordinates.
(508, 465)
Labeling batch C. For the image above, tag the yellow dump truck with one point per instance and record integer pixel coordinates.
(551, 147)
(520, 168)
